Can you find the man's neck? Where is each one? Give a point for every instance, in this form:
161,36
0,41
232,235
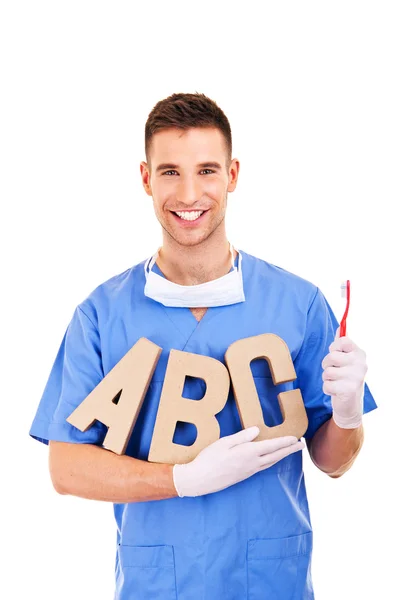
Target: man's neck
192,265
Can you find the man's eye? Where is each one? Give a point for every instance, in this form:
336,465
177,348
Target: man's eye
173,171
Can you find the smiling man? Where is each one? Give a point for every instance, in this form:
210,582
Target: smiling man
234,522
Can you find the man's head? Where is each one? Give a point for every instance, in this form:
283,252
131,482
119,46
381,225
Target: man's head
189,166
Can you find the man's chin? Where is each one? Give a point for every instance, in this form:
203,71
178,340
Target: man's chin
189,241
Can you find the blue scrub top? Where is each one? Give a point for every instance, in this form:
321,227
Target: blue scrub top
254,539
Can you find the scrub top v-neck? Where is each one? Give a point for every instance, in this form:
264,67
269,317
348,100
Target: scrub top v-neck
183,319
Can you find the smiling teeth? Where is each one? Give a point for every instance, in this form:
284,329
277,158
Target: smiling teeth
190,216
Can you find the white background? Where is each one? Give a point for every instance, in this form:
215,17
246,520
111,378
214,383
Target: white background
311,92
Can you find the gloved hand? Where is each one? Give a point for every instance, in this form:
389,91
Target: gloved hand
344,373
230,460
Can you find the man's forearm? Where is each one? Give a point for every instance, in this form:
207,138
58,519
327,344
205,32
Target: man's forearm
333,450
95,473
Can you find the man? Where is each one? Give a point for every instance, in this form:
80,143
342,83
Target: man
234,522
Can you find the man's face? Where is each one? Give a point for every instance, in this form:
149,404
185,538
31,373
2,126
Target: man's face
188,179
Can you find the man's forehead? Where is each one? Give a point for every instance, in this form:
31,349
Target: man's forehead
196,145
198,136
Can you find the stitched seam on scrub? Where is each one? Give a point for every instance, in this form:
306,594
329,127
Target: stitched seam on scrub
87,317
280,557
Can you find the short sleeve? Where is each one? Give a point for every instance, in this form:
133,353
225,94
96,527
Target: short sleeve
321,326
76,371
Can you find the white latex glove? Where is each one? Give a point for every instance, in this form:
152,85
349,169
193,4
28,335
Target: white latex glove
344,373
230,460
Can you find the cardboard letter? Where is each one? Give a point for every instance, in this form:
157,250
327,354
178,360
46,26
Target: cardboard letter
173,407
271,347
130,376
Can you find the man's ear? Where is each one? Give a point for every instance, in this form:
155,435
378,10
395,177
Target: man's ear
145,177
233,174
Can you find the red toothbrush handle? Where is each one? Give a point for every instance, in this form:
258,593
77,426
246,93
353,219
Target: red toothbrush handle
342,328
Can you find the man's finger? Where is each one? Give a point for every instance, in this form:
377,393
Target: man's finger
335,373
241,437
268,446
343,344
274,457
336,359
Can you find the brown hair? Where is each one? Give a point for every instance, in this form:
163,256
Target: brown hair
184,111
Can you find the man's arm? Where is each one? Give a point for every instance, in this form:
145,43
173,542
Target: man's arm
333,449
92,472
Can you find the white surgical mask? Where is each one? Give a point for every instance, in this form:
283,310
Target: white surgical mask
223,291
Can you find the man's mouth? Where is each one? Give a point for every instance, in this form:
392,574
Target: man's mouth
189,215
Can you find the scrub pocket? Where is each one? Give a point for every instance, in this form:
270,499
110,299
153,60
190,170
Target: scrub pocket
279,569
147,572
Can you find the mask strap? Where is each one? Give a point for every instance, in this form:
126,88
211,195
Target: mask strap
232,257
150,262
239,261
146,267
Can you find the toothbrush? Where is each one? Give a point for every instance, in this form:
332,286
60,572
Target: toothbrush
345,293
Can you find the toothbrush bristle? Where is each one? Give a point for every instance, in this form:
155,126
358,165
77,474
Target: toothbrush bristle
343,289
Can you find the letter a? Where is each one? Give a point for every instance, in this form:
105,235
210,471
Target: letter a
130,376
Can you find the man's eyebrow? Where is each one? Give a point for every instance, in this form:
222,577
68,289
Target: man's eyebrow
205,165
210,165
163,166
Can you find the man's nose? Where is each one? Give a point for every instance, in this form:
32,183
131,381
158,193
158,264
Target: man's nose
189,191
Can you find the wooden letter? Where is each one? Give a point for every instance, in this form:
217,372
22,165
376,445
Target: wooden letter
130,378
173,407
271,347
